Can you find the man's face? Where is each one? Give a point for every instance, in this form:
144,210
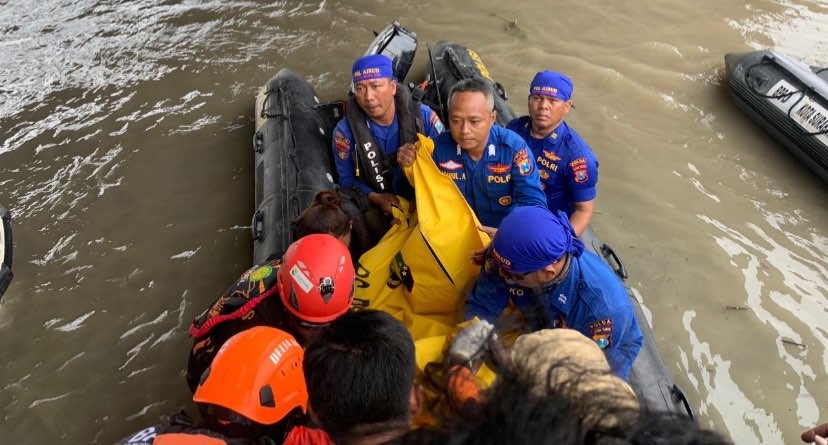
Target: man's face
546,112
376,98
470,120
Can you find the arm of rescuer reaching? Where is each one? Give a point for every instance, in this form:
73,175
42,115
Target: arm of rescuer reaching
528,191
488,298
581,217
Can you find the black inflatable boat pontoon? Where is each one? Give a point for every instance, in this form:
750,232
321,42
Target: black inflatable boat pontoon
787,98
5,250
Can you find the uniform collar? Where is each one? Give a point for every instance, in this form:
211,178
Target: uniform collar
489,153
552,138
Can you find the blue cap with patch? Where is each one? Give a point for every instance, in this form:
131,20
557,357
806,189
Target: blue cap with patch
552,84
374,66
522,250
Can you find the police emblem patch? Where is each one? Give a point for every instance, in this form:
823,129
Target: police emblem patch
499,169
579,170
521,160
450,165
601,332
504,200
543,174
551,155
435,122
343,145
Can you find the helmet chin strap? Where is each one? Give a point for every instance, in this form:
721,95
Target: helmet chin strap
551,285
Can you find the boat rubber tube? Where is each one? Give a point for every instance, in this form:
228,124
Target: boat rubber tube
450,63
5,250
293,158
787,98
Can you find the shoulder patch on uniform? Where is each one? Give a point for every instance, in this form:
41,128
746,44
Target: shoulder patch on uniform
601,332
343,145
436,122
450,165
579,170
521,160
499,169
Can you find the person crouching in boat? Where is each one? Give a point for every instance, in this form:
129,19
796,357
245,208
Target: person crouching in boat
537,262
491,165
309,287
330,213
378,120
253,392
568,169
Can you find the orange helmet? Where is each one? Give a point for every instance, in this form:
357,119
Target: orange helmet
316,280
258,374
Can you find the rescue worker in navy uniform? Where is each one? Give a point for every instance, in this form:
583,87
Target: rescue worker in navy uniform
491,165
568,169
301,293
253,393
537,262
379,119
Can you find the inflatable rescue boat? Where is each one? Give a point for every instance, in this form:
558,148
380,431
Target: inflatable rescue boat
787,98
294,161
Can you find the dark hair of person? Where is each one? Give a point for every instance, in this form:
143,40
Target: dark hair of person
474,85
360,371
329,213
573,412
325,215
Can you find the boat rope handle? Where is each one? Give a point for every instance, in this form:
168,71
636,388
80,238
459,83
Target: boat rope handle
802,94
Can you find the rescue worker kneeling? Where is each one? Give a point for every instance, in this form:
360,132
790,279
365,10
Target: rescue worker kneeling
309,287
253,392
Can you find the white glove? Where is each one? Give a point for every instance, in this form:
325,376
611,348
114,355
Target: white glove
472,342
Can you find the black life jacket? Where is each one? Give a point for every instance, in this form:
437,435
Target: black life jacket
371,164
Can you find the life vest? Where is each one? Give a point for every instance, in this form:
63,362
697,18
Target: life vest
371,163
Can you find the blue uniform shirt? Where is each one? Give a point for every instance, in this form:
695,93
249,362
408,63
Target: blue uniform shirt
503,179
591,300
568,169
388,138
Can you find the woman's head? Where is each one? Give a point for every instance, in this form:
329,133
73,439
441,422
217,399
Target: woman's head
325,215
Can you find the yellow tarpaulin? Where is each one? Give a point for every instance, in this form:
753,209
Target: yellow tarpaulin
421,271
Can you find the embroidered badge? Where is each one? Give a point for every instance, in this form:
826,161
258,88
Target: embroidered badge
579,170
504,200
261,273
521,159
499,169
550,155
543,174
450,165
435,122
491,150
601,332
343,145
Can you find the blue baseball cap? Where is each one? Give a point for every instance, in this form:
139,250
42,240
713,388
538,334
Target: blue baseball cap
531,238
374,66
552,84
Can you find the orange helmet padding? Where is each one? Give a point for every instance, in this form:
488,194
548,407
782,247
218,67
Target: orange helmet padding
258,374
316,280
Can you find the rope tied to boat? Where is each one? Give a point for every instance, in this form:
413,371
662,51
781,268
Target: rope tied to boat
802,94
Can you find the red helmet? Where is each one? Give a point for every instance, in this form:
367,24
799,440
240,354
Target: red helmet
257,374
316,280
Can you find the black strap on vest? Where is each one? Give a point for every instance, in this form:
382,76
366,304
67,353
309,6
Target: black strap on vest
371,163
